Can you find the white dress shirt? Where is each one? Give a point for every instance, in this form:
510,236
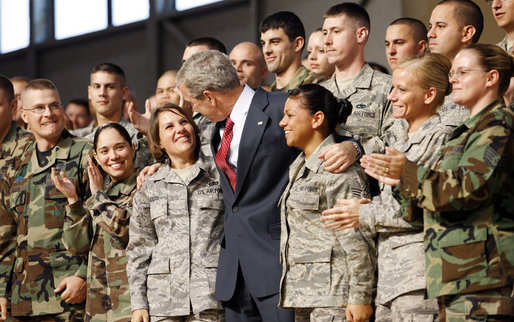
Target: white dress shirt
238,116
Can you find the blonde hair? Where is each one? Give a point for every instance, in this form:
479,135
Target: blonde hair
430,70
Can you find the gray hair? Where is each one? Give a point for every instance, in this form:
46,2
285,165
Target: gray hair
207,70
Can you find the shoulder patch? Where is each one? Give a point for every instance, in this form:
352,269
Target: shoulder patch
491,157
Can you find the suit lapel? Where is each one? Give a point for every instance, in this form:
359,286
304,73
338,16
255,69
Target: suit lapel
256,122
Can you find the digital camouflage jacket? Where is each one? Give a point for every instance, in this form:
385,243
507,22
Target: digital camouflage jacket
372,113
322,268
173,247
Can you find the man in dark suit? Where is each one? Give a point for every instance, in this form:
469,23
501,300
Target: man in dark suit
253,178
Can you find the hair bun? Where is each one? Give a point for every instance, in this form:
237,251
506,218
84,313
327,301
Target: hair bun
345,109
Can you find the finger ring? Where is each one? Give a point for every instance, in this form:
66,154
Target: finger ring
93,174
386,170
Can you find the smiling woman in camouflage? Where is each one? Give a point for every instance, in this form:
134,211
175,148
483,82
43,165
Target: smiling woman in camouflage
176,227
100,225
468,198
420,84
325,274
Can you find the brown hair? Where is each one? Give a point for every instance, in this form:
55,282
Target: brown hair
154,140
492,57
39,84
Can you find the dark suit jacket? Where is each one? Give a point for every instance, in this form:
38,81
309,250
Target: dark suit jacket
252,218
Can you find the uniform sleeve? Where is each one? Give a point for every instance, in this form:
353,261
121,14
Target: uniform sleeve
479,172
112,216
358,248
377,142
77,234
7,239
83,192
142,241
383,214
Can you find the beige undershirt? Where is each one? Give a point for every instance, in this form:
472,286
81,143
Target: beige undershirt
184,174
343,83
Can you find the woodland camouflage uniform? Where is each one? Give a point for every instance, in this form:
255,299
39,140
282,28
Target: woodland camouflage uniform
33,233
14,144
100,227
468,214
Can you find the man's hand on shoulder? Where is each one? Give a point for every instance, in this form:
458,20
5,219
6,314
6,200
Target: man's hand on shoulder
338,157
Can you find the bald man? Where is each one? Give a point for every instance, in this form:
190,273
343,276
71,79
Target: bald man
248,60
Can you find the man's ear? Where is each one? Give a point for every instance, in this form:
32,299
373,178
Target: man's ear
467,34
125,93
422,46
210,96
24,117
362,35
298,43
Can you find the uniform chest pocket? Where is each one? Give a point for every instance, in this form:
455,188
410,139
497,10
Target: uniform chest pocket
18,199
464,254
159,210
304,199
55,203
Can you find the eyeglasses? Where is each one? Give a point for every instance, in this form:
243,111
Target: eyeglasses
462,72
40,109
490,2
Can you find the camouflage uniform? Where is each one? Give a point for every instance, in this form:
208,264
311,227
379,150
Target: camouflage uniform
100,228
143,156
206,127
37,210
401,263
174,241
84,131
321,268
452,114
468,212
14,144
504,44
372,113
301,77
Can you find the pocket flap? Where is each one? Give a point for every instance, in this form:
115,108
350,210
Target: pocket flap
455,237
304,200
18,198
158,208
58,259
211,261
159,266
322,256
212,203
